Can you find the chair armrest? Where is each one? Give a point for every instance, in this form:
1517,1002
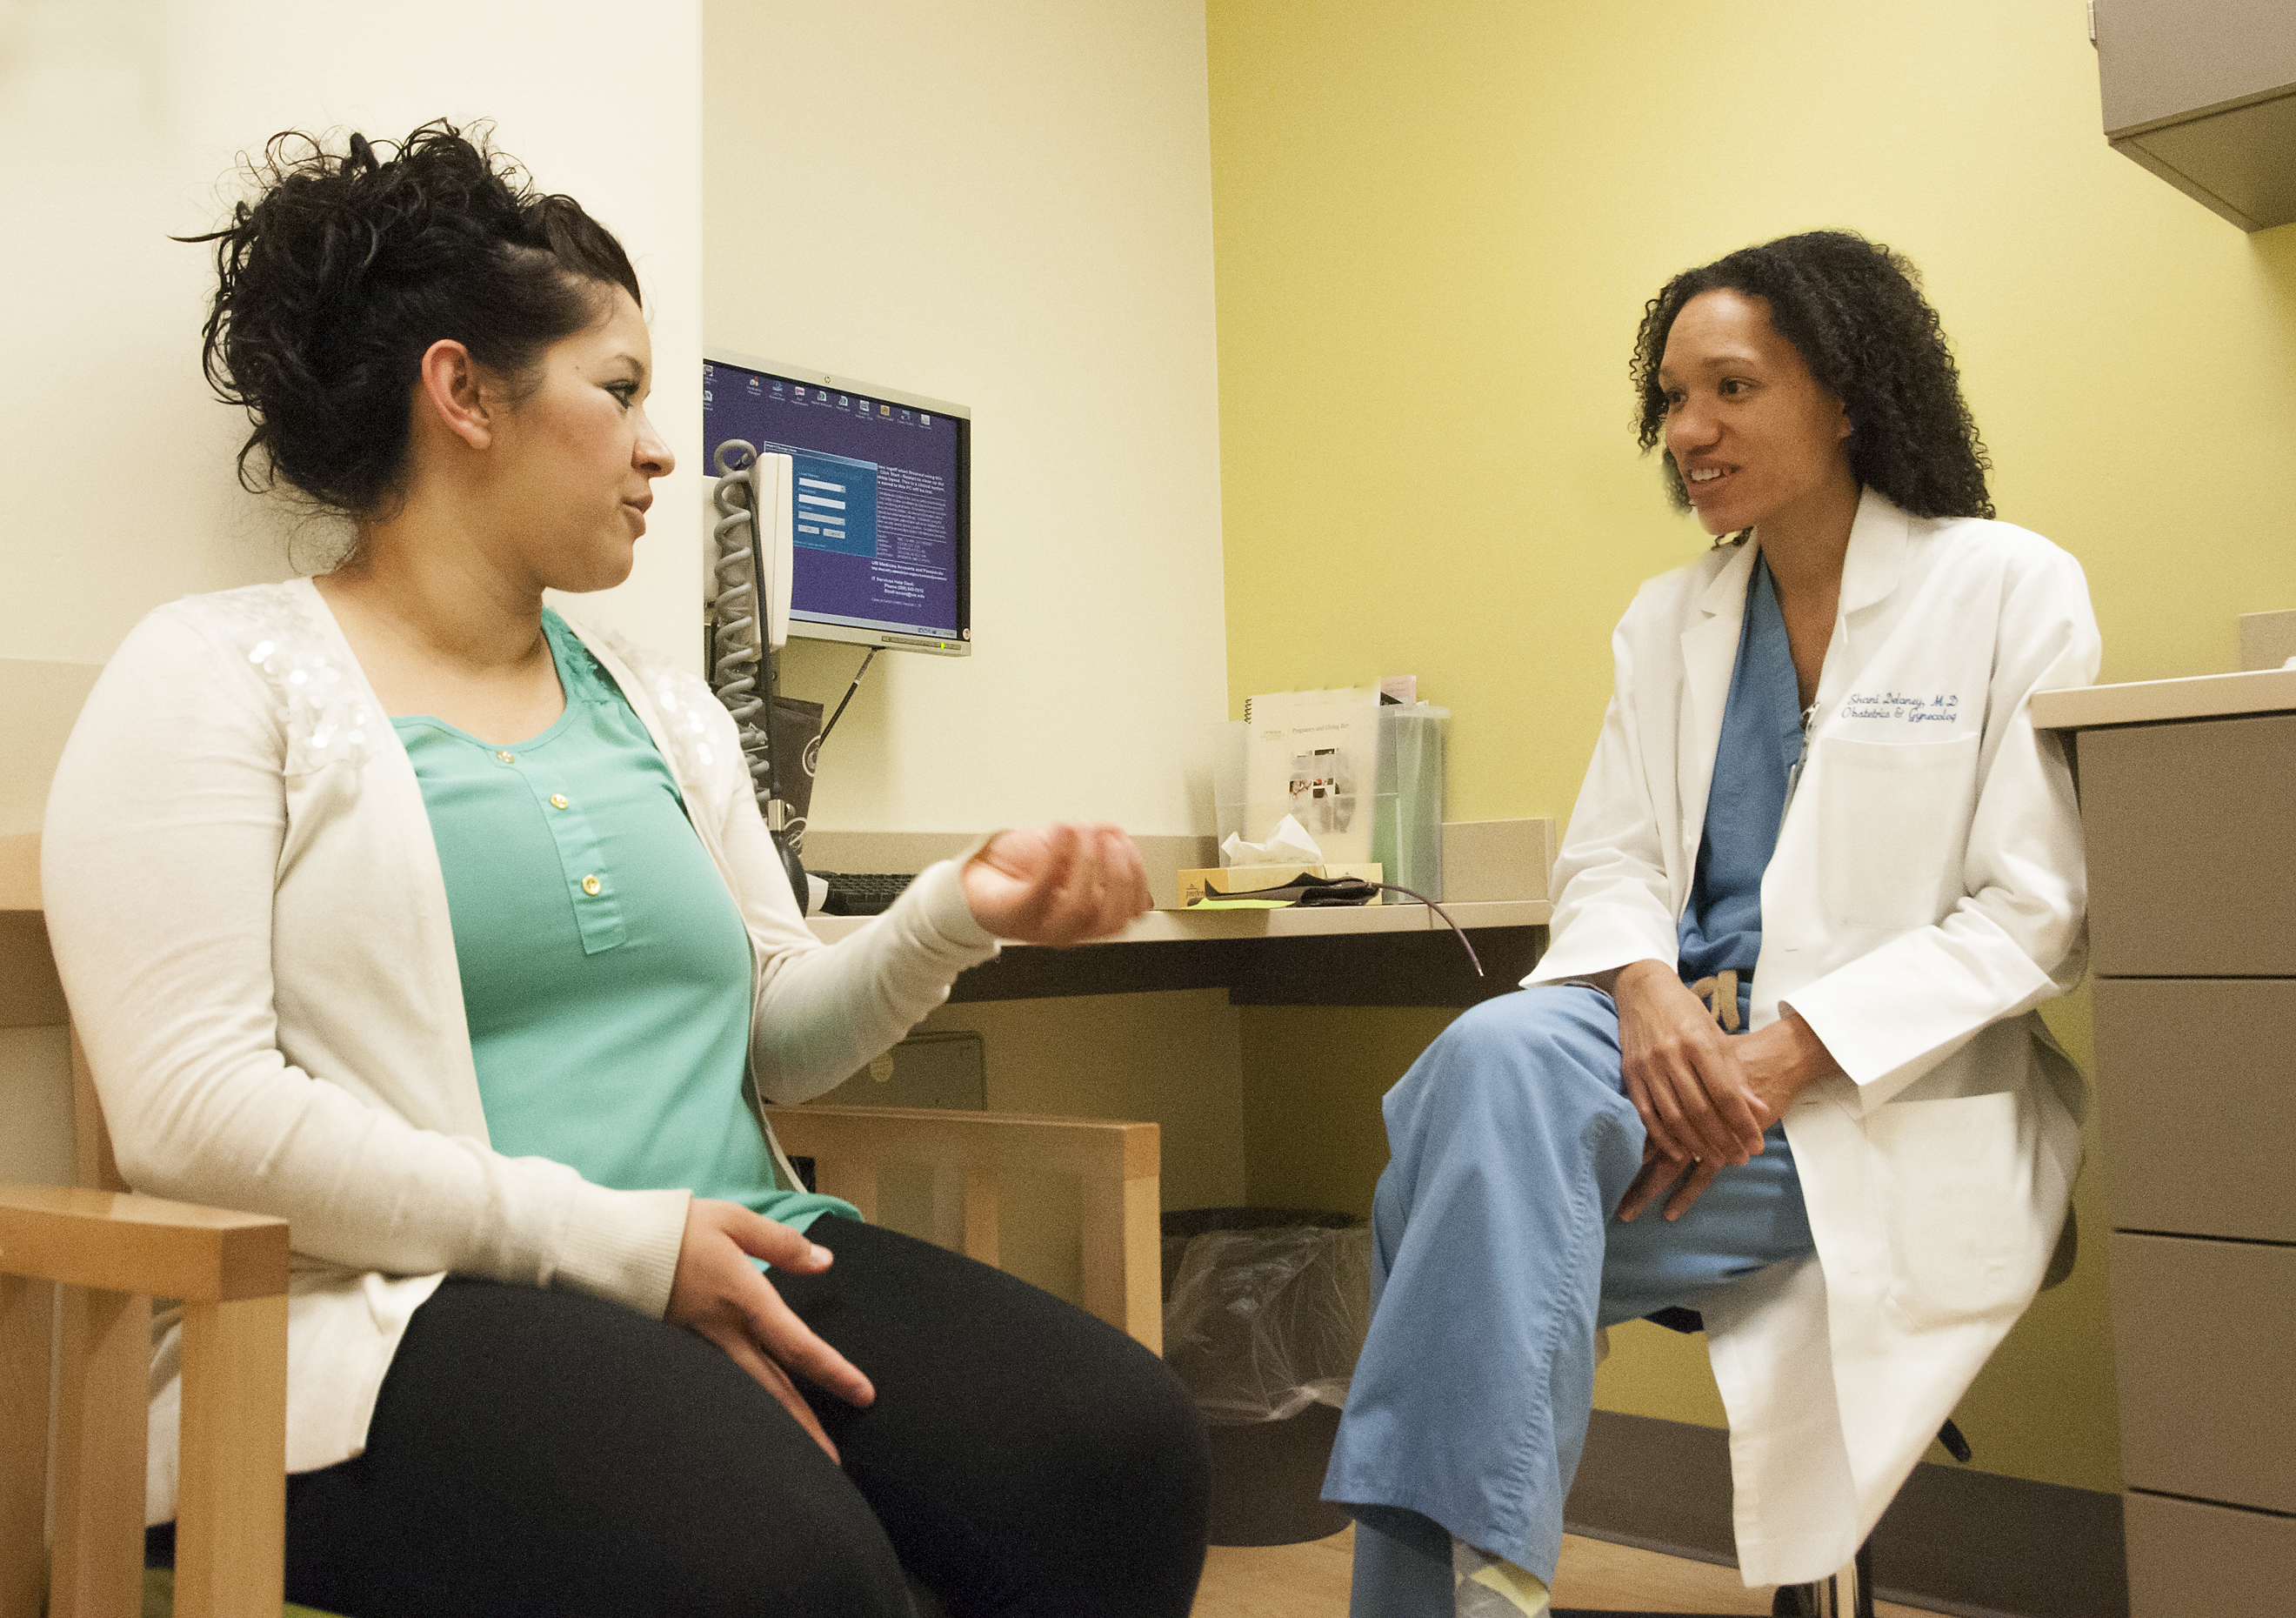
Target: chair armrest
115,1240
118,1250
933,1135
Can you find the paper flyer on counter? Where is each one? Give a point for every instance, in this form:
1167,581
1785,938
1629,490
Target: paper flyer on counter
1313,755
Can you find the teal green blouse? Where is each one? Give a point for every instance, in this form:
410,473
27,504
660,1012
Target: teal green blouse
606,973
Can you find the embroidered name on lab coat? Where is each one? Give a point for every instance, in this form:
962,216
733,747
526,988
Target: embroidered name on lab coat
1902,708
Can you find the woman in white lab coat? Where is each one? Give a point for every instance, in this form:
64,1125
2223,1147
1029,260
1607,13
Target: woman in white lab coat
1781,1063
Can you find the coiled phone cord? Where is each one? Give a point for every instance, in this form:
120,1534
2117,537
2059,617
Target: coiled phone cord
738,646
740,663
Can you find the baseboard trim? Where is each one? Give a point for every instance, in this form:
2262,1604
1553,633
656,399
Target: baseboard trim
1968,1543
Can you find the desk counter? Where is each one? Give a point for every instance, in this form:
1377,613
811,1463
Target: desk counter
2204,696
1374,955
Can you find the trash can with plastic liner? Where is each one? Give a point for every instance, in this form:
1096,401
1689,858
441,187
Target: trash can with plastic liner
1264,1312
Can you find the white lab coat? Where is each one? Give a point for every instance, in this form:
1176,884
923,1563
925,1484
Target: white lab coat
1927,893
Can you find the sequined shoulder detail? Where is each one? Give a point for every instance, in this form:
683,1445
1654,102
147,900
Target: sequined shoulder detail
682,703
317,696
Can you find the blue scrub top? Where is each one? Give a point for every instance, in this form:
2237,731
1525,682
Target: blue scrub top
1721,927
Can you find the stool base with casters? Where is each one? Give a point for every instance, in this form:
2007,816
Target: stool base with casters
1847,1594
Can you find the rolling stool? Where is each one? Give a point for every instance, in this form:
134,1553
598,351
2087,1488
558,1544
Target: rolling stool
1848,1594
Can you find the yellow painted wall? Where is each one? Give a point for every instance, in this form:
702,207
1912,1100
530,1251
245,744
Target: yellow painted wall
1434,230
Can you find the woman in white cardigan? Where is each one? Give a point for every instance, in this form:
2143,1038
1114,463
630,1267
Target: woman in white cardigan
393,905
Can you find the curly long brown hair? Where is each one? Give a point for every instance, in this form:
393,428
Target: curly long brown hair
346,266
1855,311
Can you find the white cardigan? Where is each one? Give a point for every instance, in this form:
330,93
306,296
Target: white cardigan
1926,894
248,915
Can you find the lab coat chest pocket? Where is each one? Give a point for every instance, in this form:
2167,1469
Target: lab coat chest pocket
1956,1189
1894,828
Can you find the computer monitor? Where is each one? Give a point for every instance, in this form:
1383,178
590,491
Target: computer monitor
883,501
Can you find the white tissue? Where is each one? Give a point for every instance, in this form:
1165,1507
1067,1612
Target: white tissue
1288,844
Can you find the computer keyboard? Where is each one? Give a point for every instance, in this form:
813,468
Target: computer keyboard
862,892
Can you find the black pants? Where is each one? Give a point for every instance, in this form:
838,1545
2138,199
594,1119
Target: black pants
543,1452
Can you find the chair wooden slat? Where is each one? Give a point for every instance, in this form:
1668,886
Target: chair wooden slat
97,1567
27,1320
231,1513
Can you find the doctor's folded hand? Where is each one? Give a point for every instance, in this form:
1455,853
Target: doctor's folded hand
1704,1098
1065,883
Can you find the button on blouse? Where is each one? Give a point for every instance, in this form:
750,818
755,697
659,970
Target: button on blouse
606,971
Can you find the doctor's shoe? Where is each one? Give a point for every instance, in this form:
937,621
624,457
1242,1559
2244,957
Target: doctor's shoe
1490,1588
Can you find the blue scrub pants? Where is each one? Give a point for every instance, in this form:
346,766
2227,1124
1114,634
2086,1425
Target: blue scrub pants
1495,1258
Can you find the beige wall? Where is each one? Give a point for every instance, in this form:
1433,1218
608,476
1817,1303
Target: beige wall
119,120
1022,223
35,1146
1008,207
38,702
119,124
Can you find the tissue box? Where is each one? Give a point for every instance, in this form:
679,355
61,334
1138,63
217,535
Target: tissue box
1234,882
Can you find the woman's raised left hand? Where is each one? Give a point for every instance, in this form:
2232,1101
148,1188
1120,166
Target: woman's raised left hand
1056,884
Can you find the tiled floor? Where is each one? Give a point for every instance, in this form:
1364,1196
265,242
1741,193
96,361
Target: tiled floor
1311,1581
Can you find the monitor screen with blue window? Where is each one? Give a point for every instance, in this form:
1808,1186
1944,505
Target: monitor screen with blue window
882,497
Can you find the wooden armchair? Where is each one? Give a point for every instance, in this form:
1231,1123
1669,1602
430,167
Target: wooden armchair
110,1251
1116,1164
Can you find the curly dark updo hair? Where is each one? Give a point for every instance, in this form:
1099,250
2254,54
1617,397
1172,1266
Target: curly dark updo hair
1855,311
345,268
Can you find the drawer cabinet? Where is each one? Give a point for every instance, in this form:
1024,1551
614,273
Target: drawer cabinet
2190,827
2197,1080
2192,848
2186,1558
2202,1333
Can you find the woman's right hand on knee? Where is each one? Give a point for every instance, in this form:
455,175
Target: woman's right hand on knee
1681,1074
719,1294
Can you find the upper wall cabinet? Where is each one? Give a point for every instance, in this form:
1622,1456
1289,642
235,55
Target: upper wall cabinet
2203,93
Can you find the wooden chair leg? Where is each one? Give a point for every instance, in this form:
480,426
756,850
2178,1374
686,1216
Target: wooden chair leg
231,1542
97,1566
1123,1277
26,1319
